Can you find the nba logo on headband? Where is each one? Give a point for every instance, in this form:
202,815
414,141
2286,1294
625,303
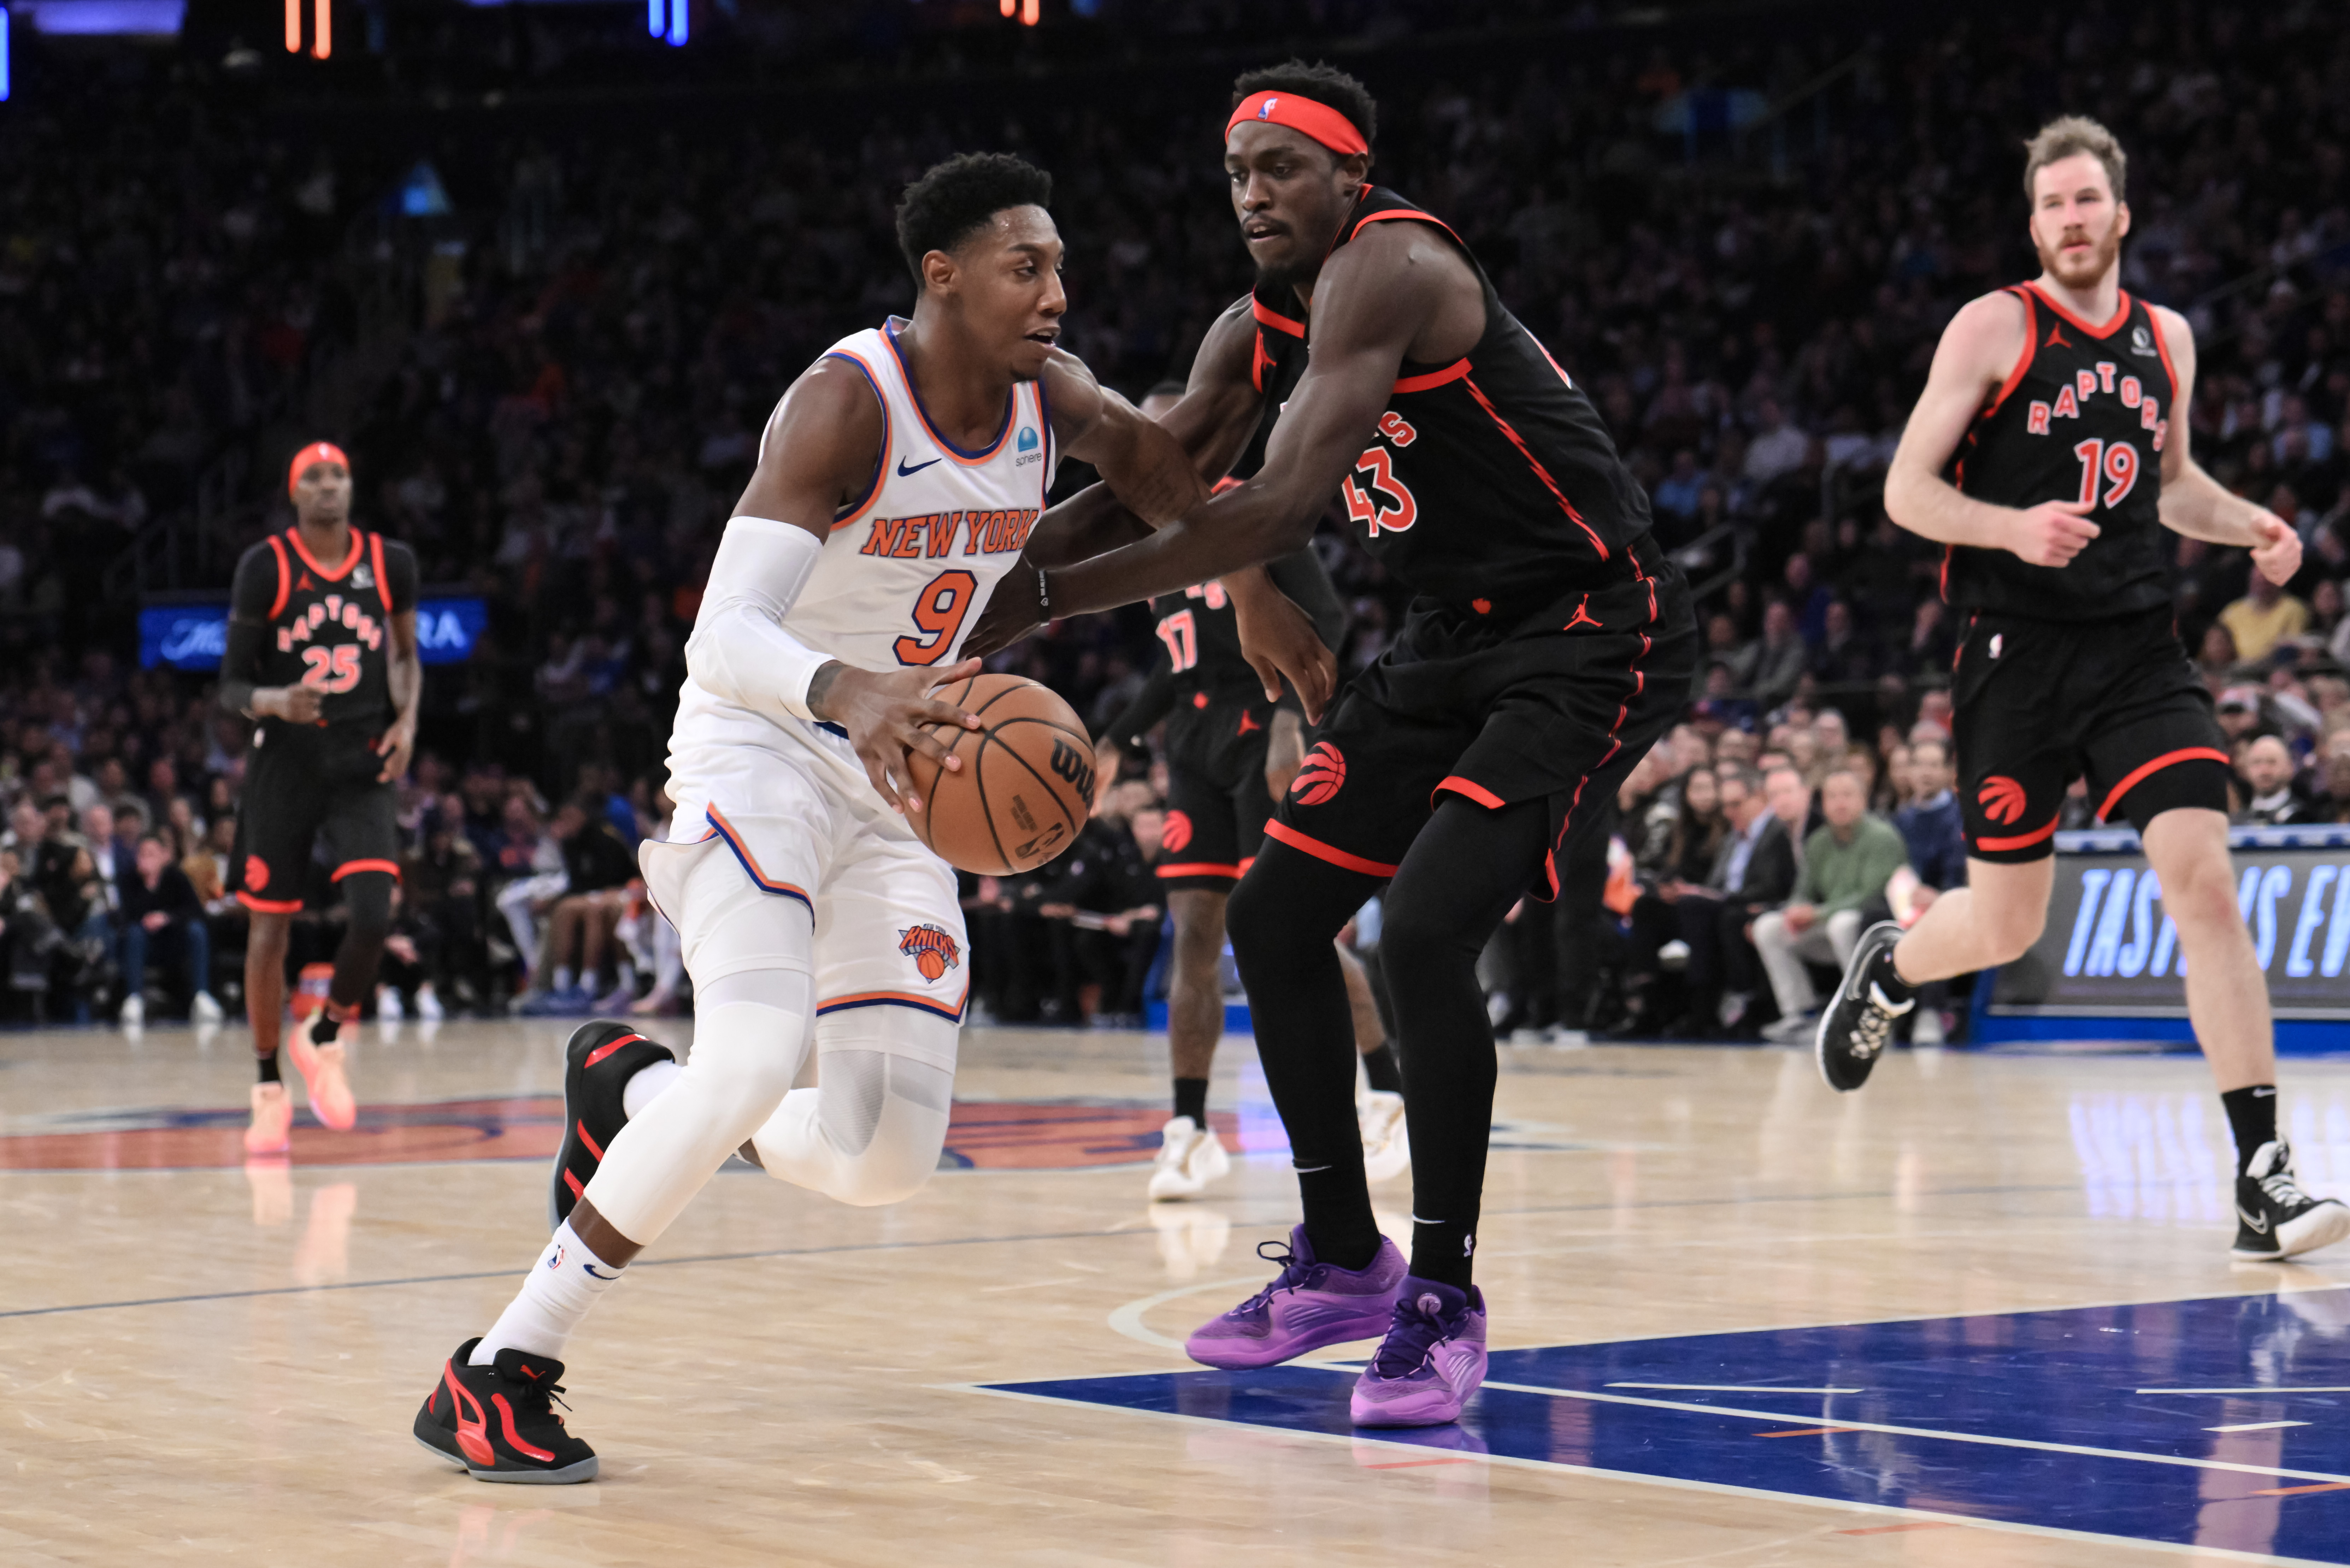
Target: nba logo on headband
1264,109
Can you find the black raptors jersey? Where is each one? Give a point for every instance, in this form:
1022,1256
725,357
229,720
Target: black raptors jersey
1198,627
326,625
2083,416
1492,480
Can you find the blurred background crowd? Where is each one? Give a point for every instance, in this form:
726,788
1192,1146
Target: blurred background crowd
544,278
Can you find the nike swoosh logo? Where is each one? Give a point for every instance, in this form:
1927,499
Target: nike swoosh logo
591,1269
2259,1225
905,472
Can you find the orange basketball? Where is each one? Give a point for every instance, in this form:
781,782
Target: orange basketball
1026,786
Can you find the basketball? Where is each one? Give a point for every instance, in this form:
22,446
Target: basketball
1026,786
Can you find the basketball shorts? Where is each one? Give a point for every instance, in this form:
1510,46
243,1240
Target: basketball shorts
1558,707
2038,703
1217,803
299,789
803,823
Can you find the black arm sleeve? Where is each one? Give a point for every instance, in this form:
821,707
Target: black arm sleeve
399,566
250,599
1301,578
1152,703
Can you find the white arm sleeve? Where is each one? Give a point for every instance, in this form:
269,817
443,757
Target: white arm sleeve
739,650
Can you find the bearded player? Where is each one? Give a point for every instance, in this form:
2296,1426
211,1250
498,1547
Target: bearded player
1551,644
2049,451
898,479
322,654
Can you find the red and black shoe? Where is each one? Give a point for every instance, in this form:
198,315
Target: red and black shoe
597,1066
498,1421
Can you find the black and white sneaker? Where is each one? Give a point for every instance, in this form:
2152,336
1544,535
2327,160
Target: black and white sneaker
2274,1218
1861,1017
597,1064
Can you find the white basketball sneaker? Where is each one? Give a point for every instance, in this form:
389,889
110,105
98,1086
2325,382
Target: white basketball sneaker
1190,1156
1387,1147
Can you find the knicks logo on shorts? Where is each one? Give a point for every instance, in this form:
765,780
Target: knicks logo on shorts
1320,778
1177,833
933,952
257,873
2001,799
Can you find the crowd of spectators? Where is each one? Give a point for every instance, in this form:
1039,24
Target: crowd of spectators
568,399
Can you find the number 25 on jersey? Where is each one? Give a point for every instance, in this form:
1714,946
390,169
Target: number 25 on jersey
331,670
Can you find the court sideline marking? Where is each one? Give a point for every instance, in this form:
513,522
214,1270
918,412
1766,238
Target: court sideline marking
1721,1488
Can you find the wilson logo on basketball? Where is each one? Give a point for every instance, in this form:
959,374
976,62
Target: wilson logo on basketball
257,873
2003,799
1177,833
1320,778
1072,765
933,952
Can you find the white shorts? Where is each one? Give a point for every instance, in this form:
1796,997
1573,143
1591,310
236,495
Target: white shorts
806,825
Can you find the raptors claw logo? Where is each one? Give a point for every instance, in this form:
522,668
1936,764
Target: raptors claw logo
933,952
1320,778
1177,833
2001,798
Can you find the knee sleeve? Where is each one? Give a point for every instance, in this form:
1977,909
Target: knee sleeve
750,1032
367,905
872,1130
744,1056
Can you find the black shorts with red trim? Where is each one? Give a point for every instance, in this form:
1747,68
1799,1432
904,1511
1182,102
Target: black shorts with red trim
298,788
2040,704
1217,803
1556,707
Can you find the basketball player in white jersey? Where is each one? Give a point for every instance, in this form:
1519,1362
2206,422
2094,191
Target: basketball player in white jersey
896,480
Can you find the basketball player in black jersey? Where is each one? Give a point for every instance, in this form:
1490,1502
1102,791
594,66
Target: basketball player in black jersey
1231,754
1551,644
321,653
2050,453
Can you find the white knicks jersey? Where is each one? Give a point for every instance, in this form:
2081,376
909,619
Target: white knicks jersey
906,568
902,576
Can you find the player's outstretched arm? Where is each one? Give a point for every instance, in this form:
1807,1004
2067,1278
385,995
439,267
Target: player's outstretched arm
2195,503
821,451
1978,349
1371,300
1140,461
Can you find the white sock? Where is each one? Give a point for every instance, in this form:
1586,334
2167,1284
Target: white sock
564,981
554,1299
624,975
646,1083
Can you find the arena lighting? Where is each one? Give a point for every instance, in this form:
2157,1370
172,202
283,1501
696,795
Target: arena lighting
677,21
322,34
4,54
656,20
1030,10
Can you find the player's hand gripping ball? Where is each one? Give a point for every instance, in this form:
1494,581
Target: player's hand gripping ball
1026,785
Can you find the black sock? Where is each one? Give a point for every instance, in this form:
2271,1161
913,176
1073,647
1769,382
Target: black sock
323,1028
1379,1066
1888,978
1441,1249
1281,920
1339,1221
1465,869
269,1068
1191,1100
2251,1116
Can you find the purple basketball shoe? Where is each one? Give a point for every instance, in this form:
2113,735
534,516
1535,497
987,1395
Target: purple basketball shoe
1432,1359
1312,1305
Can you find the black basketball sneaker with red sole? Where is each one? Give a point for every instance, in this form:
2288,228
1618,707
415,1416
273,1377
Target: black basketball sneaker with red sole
602,1057
498,1421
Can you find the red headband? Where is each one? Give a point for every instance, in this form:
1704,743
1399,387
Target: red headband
1318,121
316,452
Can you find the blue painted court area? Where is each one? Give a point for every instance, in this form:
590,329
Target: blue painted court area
2222,1423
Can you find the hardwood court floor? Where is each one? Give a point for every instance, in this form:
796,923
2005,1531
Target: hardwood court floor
202,1363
